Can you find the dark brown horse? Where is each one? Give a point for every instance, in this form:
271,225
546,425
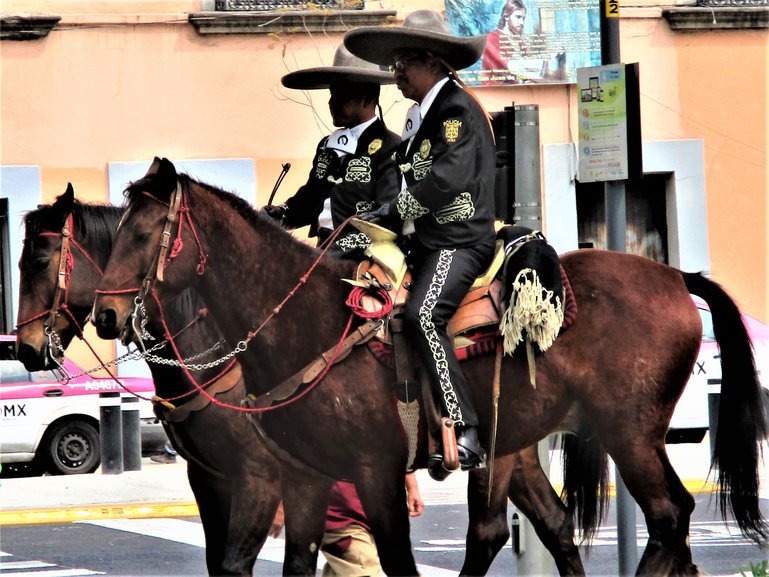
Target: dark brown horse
235,480
624,362
211,438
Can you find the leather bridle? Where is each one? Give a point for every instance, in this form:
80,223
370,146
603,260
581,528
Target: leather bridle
59,302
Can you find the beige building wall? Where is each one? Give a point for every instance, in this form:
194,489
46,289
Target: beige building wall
127,80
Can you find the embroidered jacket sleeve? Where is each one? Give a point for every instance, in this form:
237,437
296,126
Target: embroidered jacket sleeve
305,206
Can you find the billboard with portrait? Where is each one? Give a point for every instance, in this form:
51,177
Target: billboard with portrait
528,41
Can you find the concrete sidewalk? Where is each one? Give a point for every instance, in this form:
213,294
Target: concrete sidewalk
162,490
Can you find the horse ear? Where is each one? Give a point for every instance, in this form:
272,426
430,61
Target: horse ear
153,167
65,201
166,178
62,206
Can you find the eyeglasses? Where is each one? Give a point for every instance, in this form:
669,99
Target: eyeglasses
401,63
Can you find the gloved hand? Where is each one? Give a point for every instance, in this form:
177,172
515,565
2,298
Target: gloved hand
277,212
380,216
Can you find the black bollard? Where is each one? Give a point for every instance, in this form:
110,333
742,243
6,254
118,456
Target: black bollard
111,433
132,437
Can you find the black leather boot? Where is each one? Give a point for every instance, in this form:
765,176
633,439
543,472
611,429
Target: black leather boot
471,453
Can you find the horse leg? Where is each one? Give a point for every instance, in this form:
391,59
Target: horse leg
533,494
305,502
213,498
253,504
383,496
487,530
666,504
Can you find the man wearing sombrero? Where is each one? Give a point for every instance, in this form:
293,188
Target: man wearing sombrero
353,170
445,200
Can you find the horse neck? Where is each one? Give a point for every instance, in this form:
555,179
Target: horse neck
191,335
252,266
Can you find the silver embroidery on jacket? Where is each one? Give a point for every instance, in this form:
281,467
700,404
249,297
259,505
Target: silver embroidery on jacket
352,241
364,206
408,206
461,208
359,170
324,160
421,165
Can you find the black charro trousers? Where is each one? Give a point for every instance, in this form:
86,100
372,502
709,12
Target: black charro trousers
441,278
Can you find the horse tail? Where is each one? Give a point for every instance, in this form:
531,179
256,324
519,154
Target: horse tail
586,487
741,424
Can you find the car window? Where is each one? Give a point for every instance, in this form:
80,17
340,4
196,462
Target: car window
13,372
707,325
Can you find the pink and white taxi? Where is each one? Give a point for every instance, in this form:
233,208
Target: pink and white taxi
50,425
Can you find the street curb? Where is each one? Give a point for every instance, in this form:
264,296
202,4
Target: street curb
96,512
184,509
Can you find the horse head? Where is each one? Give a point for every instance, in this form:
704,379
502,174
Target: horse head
148,238
54,302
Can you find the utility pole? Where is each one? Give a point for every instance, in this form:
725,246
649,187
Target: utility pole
616,231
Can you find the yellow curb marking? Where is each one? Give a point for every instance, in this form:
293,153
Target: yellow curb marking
153,510
94,512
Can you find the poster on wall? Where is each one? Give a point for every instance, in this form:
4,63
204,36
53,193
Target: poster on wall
609,143
528,41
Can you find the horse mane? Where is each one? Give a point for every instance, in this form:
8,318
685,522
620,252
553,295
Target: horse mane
242,207
94,224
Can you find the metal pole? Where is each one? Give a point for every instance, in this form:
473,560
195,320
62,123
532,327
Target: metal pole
616,230
132,437
111,433
627,539
527,178
532,557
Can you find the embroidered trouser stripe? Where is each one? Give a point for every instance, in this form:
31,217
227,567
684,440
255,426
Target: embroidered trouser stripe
440,359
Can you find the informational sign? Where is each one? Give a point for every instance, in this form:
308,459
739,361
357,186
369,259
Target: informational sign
528,41
609,122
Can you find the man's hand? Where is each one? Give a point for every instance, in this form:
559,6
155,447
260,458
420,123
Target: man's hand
277,212
380,216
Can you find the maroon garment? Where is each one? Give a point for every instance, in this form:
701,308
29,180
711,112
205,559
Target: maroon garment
344,508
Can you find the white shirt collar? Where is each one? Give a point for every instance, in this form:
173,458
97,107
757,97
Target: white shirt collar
361,128
429,98
345,140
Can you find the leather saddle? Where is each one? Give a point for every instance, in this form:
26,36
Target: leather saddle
386,270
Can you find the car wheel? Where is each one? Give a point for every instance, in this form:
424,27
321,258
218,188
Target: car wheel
72,447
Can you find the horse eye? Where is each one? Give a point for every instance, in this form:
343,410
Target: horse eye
40,264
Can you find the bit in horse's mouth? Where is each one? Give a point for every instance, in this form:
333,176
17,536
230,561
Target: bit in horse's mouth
126,335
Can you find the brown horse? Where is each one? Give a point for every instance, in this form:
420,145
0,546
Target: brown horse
624,362
208,434
235,480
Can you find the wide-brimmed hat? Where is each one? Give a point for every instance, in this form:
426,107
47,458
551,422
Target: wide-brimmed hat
422,30
346,68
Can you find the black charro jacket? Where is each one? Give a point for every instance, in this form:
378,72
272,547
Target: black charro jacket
356,183
449,172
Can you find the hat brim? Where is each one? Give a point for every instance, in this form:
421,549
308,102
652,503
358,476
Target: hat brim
377,43
325,76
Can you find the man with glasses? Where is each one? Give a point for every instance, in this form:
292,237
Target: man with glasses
444,205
